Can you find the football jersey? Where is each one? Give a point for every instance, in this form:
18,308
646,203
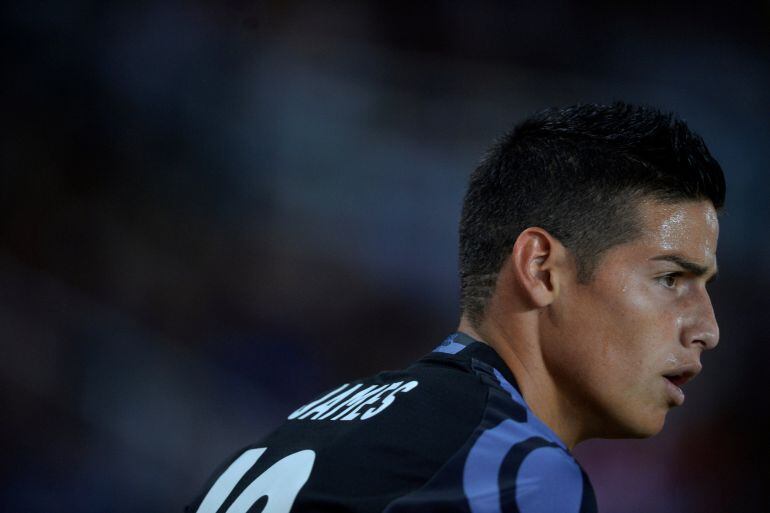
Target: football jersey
450,433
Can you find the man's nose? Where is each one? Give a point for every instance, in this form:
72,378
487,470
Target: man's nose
703,329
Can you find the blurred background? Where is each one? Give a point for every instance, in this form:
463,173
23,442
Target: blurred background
212,211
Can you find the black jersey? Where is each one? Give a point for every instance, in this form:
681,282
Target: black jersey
451,432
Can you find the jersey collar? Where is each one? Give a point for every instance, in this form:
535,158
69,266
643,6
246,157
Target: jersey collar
465,346
470,347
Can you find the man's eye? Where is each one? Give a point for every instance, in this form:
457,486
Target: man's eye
669,280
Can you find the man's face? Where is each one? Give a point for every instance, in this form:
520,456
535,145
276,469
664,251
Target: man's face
645,315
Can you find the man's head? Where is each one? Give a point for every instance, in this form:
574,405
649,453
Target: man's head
602,220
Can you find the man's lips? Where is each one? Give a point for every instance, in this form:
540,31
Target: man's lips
678,377
682,374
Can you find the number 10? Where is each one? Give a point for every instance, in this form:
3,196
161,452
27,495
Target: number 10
280,483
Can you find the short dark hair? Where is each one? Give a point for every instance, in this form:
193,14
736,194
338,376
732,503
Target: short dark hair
577,172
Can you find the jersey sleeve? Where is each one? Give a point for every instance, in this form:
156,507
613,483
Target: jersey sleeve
547,479
525,480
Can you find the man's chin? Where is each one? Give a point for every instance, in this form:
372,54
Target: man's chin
636,428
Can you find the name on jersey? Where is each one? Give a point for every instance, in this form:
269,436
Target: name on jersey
350,402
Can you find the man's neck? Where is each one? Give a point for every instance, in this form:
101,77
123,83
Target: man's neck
522,356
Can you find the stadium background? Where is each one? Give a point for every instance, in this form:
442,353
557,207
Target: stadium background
211,211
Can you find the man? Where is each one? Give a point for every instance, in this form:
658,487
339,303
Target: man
587,238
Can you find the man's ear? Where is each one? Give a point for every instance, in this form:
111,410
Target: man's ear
538,263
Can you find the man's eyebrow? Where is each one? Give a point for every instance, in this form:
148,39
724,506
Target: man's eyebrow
691,267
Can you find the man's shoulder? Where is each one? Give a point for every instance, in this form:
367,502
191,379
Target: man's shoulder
417,439
513,459
374,439
435,384
417,416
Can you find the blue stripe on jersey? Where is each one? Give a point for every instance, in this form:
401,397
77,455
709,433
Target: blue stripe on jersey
564,477
513,463
543,469
538,427
544,479
453,344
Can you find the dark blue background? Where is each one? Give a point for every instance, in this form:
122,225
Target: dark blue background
211,211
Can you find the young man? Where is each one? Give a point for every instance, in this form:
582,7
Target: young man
587,238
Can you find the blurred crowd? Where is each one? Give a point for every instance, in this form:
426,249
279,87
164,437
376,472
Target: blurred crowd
212,211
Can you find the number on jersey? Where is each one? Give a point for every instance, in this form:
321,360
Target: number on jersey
280,483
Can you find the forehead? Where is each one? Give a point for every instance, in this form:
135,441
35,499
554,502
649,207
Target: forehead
688,228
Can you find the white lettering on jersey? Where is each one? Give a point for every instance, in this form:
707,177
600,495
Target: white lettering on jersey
309,405
388,400
353,401
280,483
342,404
356,412
319,409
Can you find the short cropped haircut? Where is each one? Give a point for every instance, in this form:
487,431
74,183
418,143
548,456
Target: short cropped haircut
579,173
